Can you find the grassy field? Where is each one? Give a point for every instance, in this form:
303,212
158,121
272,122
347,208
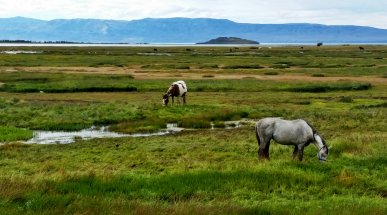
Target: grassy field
341,90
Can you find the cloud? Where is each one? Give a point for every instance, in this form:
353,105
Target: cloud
352,12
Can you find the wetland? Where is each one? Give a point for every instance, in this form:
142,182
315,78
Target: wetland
340,90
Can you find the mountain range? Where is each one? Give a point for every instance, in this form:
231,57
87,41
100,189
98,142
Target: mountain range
181,30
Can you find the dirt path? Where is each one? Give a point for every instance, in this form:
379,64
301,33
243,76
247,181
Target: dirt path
137,73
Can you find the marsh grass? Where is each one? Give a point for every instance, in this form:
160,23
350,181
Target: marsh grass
196,123
318,88
9,133
219,124
202,171
271,73
213,170
208,76
60,83
139,126
381,105
345,99
63,83
209,66
318,75
252,66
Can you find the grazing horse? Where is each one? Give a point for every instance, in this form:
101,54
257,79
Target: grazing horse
288,132
177,89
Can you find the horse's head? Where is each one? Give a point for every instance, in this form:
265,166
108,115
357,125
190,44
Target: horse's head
323,153
323,150
165,99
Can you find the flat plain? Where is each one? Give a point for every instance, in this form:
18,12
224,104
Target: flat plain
207,168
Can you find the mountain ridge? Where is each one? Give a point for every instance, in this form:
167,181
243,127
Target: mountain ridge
181,30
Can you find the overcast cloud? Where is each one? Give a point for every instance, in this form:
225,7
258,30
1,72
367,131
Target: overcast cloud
330,12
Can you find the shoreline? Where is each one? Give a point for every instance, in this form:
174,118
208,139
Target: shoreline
177,44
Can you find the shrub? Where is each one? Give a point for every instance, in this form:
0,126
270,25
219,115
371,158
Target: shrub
208,76
182,67
243,67
345,99
209,66
318,75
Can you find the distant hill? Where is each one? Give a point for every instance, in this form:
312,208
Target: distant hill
181,30
229,40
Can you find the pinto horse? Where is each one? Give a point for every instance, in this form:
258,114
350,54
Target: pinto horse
177,89
288,132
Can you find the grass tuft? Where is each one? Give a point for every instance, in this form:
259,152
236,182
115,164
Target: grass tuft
8,134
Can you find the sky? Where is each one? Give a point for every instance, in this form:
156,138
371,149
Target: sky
330,12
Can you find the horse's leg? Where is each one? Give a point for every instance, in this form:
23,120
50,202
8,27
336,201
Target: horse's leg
266,150
259,143
300,152
264,146
263,143
261,148
295,152
173,100
184,99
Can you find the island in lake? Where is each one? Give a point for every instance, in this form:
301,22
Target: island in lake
229,40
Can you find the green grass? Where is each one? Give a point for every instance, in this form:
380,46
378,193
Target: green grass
271,73
318,88
27,82
318,75
8,134
215,170
332,60
201,170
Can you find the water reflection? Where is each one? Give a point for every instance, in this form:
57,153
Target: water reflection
64,137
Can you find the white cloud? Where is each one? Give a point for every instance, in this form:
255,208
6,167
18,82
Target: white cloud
352,12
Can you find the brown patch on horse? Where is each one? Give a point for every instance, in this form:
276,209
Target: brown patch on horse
174,90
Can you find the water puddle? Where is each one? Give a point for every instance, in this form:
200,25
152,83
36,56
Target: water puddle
64,137
21,52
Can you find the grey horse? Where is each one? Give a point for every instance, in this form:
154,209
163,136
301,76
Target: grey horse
288,132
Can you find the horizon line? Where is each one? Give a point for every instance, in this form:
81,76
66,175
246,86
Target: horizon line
127,20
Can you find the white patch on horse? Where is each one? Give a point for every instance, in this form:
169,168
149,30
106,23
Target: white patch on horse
177,89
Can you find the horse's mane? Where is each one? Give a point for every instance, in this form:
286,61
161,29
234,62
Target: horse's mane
315,132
